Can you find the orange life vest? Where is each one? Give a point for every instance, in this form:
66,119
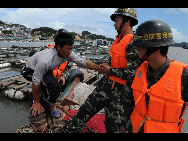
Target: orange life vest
164,114
51,46
59,70
118,55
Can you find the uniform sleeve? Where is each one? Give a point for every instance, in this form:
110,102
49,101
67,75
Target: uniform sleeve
39,72
132,64
128,103
73,57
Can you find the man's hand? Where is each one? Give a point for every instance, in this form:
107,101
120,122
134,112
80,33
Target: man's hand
36,108
36,105
62,79
104,64
92,66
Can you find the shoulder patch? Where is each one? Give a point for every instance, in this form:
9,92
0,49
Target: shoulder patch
139,74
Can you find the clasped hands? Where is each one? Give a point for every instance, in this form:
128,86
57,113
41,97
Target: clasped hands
104,68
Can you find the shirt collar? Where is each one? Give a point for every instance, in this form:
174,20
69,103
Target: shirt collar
162,70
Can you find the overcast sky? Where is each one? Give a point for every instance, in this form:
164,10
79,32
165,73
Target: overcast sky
94,20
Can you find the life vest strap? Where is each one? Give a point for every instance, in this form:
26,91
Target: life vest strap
113,83
142,122
146,117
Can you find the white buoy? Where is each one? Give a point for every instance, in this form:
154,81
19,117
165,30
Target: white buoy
4,65
19,95
13,94
22,61
10,93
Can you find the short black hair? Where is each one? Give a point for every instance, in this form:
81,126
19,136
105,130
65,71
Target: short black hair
131,22
62,39
164,50
126,19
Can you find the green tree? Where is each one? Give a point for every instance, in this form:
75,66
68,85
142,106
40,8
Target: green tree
2,23
85,33
73,34
44,31
7,31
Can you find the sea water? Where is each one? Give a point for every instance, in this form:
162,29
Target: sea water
25,44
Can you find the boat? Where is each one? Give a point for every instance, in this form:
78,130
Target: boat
105,47
4,65
185,47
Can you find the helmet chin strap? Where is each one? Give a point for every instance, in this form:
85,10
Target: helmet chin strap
121,26
119,31
148,53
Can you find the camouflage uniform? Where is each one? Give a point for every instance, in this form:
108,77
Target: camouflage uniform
152,79
105,97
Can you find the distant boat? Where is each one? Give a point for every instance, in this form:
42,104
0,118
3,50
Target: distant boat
185,47
106,47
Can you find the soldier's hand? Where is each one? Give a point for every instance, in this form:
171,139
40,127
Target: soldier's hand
104,69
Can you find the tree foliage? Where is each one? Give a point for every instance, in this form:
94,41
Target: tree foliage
44,31
7,31
94,36
2,23
73,34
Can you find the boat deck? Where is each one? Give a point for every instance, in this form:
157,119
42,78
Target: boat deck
19,83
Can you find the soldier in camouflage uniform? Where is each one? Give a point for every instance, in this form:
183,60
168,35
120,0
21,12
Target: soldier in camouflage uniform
146,51
108,94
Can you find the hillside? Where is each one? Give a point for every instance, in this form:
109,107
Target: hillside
88,35
180,44
14,29
46,31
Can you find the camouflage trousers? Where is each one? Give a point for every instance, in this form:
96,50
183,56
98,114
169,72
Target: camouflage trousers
102,97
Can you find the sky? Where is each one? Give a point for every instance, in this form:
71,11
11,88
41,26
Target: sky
94,20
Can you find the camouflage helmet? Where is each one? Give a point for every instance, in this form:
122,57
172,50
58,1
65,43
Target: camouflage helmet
153,33
128,12
62,30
